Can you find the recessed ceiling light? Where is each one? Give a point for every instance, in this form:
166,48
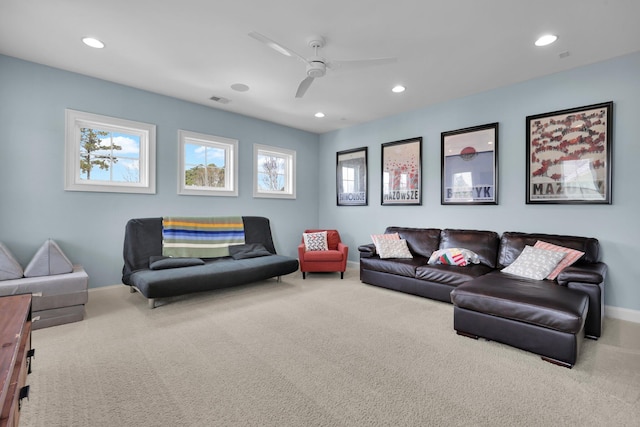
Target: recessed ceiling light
319,114
545,40
93,42
398,89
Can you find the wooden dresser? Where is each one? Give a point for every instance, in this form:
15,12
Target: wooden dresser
15,355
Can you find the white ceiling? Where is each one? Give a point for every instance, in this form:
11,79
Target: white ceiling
195,49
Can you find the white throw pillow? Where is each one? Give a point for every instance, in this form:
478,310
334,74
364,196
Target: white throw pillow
534,263
377,237
391,248
315,241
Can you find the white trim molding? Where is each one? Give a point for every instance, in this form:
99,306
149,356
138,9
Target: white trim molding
622,313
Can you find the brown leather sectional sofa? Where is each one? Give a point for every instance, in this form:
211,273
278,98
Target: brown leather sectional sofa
549,318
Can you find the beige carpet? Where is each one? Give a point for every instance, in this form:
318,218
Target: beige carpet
318,352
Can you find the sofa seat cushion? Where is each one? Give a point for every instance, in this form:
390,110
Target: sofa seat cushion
537,302
452,275
320,256
216,273
398,266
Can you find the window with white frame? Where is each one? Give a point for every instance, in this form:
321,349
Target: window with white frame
208,165
108,154
274,172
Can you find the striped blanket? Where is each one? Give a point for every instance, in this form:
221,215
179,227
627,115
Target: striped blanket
201,237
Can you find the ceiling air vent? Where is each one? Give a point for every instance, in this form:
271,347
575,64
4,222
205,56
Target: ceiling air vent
220,99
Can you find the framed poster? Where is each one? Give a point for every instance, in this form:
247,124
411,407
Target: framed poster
351,177
401,172
470,166
569,155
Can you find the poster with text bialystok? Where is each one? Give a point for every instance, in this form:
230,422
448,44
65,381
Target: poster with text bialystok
569,155
401,172
470,166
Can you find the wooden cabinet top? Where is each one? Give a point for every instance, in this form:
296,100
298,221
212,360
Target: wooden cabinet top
14,313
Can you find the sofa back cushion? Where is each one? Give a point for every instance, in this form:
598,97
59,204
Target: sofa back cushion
512,244
483,243
421,241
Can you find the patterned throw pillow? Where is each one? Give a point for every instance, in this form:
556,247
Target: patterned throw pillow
571,256
377,237
534,263
454,256
392,248
315,241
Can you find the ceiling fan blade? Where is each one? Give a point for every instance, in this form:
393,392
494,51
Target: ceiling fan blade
359,63
276,46
304,85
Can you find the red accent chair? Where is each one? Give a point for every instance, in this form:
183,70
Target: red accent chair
334,259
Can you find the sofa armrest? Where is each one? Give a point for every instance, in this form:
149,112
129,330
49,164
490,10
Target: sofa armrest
367,251
592,273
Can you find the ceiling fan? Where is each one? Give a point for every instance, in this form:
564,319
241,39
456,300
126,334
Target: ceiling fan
317,65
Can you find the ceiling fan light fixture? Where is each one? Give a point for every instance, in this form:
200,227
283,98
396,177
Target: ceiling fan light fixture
93,42
319,114
398,89
546,40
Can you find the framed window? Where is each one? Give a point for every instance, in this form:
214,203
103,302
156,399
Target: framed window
108,154
208,165
274,172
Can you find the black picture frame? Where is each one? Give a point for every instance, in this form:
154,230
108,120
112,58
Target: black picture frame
352,177
401,173
569,155
469,164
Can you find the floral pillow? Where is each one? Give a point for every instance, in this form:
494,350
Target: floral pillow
571,256
534,263
315,241
454,256
392,248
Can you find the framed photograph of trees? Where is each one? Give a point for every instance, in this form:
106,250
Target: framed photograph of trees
470,166
402,173
569,155
351,177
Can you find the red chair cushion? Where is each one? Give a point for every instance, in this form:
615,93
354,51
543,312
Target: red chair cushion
313,256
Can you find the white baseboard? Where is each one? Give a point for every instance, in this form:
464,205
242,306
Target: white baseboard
622,313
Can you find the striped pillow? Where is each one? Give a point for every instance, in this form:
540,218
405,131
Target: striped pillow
571,256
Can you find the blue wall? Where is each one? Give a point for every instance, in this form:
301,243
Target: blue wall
90,226
616,225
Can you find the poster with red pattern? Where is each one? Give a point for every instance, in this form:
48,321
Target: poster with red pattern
401,172
569,155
